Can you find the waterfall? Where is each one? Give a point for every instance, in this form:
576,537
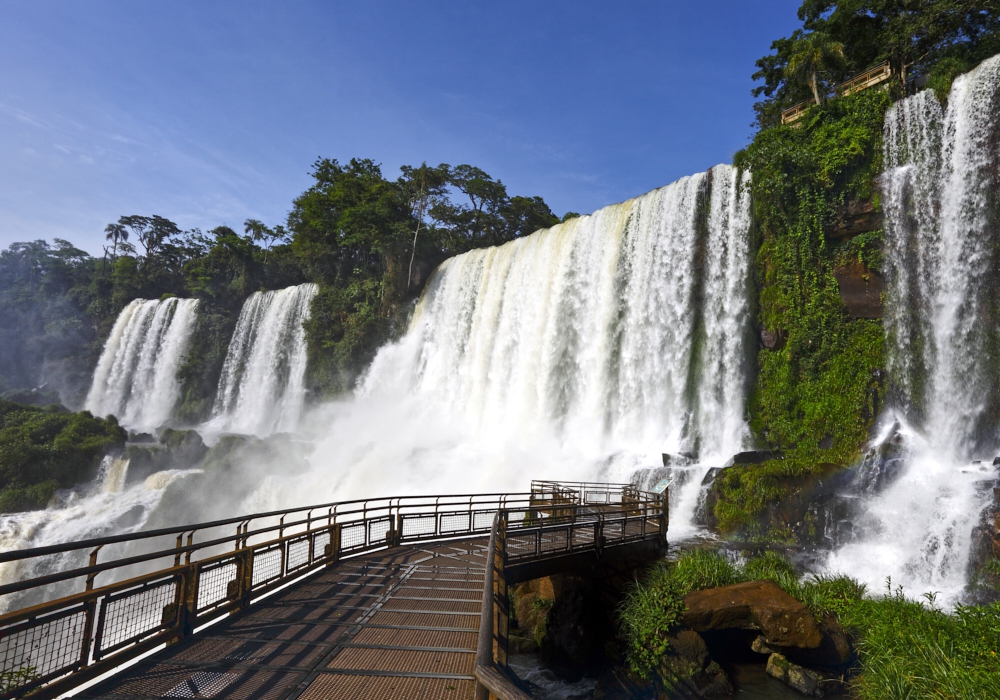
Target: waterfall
942,236
262,387
623,332
112,474
136,376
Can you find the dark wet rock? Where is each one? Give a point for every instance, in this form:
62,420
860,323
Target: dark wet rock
826,521
576,630
186,447
814,507
773,340
141,438
984,562
759,645
802,679
834,651
756,456
755,605
692,670
883,463
681,459
853,218
861,290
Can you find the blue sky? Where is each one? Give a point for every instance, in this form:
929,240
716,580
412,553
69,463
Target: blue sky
210,113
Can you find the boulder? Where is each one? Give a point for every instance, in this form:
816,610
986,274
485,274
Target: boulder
985,552
854,217
759,645
861,290
833,653
755,605
802,679
756,456
690,669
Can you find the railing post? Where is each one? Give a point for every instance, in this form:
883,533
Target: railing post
398,540
664,516
91,613
332,550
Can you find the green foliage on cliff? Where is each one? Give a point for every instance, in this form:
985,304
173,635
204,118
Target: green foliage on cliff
44,449
821,385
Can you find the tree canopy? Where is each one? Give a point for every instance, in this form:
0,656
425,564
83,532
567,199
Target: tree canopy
921,39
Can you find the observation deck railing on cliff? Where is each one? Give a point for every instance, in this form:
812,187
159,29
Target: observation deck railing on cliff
862,81
63,628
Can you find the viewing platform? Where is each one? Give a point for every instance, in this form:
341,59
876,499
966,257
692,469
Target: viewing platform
384,598
862,81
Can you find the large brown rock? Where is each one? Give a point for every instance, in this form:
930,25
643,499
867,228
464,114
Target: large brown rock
861,290
854,217
755,605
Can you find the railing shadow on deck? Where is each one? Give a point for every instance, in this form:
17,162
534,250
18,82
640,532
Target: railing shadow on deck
160,594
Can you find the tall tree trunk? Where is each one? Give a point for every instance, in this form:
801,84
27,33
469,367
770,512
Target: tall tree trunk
812,84
413,253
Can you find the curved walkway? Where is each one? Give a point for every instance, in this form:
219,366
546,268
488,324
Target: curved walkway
402,623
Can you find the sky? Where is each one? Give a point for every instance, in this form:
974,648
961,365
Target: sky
213,112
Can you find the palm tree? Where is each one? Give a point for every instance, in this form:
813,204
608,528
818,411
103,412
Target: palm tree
811,55
116,233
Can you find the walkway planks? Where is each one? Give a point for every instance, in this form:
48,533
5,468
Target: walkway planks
401,623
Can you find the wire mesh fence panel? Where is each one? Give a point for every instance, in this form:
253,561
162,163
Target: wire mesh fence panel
35,651
521,545
132,615
266,565
614,530
634,528
415,525
352,536
455,522
377,530
298,553
322,540
555,541
213,583
482,520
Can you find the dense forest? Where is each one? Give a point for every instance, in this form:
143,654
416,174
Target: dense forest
368,241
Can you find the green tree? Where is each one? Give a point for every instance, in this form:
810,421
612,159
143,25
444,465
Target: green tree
423,187
811,55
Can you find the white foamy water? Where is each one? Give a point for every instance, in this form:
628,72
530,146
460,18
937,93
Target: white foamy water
136,376
110,507
939,188
582,351
262,388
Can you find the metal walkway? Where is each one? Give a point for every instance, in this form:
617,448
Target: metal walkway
402,597
402,624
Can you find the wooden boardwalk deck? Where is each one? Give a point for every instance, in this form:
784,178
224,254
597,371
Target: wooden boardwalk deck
400,623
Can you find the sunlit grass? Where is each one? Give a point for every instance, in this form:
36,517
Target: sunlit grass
907,649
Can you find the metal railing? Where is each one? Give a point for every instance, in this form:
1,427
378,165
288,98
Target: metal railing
862,81
163,584
565,518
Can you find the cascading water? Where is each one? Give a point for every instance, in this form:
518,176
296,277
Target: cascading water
942,234
262,387
136,376
620,335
